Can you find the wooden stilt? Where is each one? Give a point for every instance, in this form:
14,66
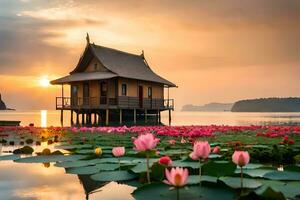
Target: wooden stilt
159,117
99,119
72,122
170,119
83,120
134,116
107,117
62,117
121,117
146,117
77,118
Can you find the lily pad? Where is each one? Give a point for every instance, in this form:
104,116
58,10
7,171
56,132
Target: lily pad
83,170
235,182
10,157
50,158
254,172
283,176
113,176
193,165
75,146
195,179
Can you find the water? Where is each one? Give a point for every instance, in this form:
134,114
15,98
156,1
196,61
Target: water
42,182
46,118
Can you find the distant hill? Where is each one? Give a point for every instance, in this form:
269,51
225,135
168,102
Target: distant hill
267,105
208,107
2,104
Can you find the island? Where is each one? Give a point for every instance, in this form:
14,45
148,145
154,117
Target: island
208,107
291,104
2,104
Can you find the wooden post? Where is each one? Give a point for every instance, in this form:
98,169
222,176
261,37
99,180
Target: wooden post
62,109
82,119
159,117
121,116
170,119
134,116
146,117
72,122
99,119
107,117
77,118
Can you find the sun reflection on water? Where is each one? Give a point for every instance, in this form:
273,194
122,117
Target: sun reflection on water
44,118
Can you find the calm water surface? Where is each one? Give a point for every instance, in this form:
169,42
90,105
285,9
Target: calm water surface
42,182
45,118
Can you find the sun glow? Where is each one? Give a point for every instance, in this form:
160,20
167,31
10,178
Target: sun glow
44,82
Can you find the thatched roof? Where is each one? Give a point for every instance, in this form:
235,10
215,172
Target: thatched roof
118,64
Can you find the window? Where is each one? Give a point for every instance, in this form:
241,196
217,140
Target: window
150,92
124,89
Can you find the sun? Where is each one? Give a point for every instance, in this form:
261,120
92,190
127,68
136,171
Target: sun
44,81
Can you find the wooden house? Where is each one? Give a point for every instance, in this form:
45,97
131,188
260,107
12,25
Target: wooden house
107,83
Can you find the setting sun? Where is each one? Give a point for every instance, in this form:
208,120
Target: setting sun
44,82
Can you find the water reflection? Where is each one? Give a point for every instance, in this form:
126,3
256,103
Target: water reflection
52,118
44,118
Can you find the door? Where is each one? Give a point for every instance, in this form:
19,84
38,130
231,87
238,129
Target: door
141,96
86,94
103,92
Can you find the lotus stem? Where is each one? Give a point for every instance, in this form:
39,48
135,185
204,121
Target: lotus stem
148,172
119,164
177,193
200,173
241,179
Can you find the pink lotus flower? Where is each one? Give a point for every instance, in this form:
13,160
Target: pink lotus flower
118,151
165,160
241,158
172,142
200,150
216,149
145,142
177,177
182,141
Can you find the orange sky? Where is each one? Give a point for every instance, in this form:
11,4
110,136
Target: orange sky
219,51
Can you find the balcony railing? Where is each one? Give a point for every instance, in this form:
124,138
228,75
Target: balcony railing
122,102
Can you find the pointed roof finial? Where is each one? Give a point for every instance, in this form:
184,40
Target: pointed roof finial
143,54
87,38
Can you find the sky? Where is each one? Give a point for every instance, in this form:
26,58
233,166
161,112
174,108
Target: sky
215,51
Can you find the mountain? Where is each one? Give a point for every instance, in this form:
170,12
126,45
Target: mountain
2,104
208,107
268,105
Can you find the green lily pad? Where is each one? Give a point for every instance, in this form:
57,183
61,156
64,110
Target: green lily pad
140,167
235,182
218,168
50,158
76,163
212,156
75,146
195,179
283,176
290,189
87,170
252,166
10,157
163,191
193,165
113,176
254,172
107,166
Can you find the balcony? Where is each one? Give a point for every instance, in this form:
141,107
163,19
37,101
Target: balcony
122,102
